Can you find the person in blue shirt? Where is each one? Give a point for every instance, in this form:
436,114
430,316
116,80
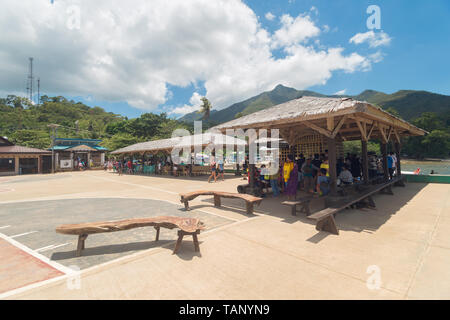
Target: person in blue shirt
390,163
323,182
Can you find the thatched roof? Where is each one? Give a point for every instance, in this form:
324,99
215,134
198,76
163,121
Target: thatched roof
313,108
186,141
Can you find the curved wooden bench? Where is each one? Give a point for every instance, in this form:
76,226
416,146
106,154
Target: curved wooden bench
249,199
187,226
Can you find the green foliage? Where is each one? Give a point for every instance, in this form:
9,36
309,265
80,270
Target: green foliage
120,140
26,124
354,147
31,138
205,108
436,144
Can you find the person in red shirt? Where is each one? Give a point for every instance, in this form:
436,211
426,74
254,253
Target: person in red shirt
130,166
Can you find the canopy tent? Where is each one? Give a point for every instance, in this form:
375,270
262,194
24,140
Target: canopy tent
198,140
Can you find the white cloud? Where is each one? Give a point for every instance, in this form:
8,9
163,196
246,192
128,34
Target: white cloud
314,10
294,31
134,53
270,16
326,28
374,39
341,92
194,105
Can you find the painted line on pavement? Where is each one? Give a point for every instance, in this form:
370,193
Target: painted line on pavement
51,247
4,227
22,234
37,255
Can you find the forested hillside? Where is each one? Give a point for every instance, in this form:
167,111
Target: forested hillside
26,124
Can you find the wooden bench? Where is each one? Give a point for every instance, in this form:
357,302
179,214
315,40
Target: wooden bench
250,200
303,202
187,226
325,218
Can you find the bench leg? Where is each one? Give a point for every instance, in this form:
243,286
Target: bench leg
327,224
217,201
196,244
294,210
371,202
178,244
186,205
388,190
157,233
249,206
306,208
80,246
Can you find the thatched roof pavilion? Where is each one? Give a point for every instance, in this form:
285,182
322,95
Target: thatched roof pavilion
166,145
331,117
335,119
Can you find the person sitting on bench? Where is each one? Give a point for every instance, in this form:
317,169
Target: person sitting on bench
346,176
323,183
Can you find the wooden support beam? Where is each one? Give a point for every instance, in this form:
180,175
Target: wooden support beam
330,123
397,137
371,129
365,162
389,133
323,131
383,134
339,126
332,160
383,147
362,130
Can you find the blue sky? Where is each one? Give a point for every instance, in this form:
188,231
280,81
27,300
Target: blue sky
415,57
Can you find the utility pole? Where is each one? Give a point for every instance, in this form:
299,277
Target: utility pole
30,80
39,91
54,133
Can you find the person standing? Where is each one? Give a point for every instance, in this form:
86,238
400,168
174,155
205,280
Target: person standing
288,166
390,162
213,172
220,169
308,178
325,165
291,184
301,160
274,181
394,163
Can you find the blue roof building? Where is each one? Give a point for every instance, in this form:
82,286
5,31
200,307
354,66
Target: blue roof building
70,153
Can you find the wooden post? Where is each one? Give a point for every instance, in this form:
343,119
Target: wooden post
400,182
16,164
39,164
383,147
332,161
365,162
398,147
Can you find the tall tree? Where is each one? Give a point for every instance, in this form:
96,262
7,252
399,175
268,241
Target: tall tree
205,108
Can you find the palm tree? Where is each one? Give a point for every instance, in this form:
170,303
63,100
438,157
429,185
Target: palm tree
205,108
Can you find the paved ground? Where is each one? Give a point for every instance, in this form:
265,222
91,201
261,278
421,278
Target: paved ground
405,243
33,224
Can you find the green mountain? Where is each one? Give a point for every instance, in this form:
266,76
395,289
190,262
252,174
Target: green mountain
408,103
262,101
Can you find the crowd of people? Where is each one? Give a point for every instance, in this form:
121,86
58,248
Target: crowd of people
311,174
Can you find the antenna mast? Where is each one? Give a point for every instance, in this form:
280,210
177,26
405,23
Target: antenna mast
30,80
39,91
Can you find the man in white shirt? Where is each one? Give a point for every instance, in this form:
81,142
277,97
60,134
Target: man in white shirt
346,176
